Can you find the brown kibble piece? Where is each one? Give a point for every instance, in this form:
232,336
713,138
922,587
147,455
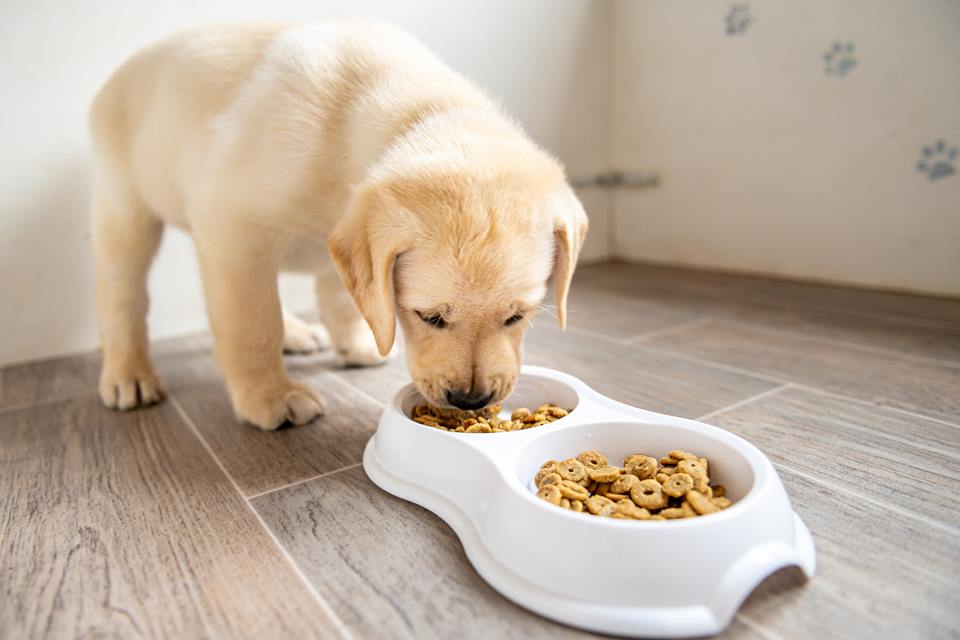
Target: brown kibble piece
649,495
576,505
565,503
608,510
677,485
573,491
721,502
550,478
672,513
572,470
520,413
592,459
550,493
641,466
678,455
544,472
718,490
632,511
604,474
693,468
701,503
595,503
624,483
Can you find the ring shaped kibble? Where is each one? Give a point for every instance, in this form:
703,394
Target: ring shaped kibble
592,459
677,486
649,495
550,478
550,493
641,466
572,470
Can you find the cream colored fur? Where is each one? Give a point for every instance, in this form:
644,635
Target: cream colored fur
270,142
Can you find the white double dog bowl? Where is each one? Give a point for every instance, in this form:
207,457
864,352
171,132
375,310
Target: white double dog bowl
673,578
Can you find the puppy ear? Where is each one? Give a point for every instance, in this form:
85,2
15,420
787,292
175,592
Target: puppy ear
569,229
364,247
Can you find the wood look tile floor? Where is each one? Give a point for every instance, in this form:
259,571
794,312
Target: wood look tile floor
178,522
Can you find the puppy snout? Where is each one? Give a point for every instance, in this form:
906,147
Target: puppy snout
468,400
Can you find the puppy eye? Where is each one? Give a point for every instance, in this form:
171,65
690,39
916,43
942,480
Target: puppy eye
514,319
435,320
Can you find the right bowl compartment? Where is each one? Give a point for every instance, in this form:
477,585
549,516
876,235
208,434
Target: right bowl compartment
695,569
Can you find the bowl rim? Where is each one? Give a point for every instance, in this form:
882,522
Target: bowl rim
735,509
400,397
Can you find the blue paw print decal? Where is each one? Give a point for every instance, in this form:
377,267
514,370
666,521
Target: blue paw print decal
738,19
937,161
839,59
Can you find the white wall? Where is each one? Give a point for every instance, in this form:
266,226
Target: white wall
548,59
771,165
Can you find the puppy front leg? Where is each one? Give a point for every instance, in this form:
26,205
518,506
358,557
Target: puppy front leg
349,332
240,284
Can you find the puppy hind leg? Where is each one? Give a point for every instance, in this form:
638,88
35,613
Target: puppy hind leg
125,240
349,332
300,336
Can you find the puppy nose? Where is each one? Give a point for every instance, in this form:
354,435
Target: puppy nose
466,400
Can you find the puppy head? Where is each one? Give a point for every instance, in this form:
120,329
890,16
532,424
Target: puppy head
462,262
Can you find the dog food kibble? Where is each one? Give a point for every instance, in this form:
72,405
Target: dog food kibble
486,420
645,488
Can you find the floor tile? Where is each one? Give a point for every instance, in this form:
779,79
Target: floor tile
927,388
262,460
648,380
906,462
121,525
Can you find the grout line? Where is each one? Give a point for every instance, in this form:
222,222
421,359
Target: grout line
757,627
906,412
299,482
751,399
715,365
341,627
930,522
40,403
677,328
841,342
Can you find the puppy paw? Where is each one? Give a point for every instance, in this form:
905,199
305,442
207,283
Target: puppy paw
269,409
129,387
359,351
300,337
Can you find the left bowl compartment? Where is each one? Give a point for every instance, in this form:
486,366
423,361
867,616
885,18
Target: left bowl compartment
456,470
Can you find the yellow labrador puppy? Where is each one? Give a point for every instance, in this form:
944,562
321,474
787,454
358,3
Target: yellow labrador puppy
346,151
